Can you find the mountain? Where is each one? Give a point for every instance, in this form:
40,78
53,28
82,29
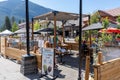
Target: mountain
16,8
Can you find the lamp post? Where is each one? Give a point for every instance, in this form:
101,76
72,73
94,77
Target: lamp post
27,27
80,39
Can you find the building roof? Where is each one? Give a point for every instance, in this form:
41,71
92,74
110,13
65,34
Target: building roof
22,31
113,12
59,16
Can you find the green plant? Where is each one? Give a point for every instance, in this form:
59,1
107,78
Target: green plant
105,22
106,37
77,39
118,35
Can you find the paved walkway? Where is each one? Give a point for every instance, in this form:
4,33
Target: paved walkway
10,70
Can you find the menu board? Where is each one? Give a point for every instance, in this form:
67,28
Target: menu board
47,61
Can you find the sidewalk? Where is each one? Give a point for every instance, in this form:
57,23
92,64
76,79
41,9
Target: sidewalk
10,70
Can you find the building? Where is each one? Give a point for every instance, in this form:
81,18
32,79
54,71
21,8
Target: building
112,14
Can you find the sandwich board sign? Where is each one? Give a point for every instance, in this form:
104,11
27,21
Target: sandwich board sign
48,61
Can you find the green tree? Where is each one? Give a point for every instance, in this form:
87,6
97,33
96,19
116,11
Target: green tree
19,21
118,20
36,25
12,20
23,20
7,24
14,27
94,17
105,22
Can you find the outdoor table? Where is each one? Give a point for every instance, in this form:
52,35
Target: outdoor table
64,46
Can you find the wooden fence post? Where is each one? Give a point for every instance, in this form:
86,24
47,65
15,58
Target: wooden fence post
87,68
100,58
96,72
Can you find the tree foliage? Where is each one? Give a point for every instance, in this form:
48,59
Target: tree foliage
36,25
7,24
14,27
12,20
105,22
19,21
118,20
94,18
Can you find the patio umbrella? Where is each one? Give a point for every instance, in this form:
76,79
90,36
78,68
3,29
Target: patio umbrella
6,32
113,30
104,31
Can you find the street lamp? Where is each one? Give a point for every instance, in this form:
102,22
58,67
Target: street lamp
80,39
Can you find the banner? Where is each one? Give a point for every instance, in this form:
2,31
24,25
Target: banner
47,61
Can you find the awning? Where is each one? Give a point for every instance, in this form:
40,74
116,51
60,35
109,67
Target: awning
94,26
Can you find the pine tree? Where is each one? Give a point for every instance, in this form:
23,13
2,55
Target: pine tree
14,27
19,21
7,24
12,20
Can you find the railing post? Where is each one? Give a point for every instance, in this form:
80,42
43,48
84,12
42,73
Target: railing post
100,58
87,69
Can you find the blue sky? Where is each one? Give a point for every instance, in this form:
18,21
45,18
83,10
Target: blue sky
89,6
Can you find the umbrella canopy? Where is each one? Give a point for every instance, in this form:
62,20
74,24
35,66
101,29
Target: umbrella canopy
6,32
104,31
110,30
22,31
94,26
113,30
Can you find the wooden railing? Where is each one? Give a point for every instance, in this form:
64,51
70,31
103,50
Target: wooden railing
107,70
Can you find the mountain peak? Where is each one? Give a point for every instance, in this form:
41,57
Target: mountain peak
16,8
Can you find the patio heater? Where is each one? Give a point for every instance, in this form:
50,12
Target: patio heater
80,39
28,62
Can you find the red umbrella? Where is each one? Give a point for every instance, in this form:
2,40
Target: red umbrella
104,31
113,30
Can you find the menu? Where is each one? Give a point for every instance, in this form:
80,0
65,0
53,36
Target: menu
47,61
